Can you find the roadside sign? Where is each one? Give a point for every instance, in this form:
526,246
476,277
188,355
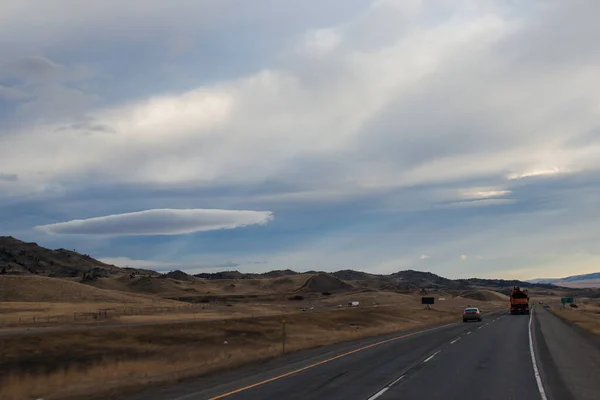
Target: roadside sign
566,300
427,300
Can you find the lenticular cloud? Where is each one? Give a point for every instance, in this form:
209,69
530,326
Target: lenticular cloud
160,222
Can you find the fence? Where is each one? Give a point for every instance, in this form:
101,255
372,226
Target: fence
99,314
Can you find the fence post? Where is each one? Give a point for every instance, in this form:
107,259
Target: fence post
283,336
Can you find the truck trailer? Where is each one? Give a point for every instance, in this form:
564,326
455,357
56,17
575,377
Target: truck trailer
519,301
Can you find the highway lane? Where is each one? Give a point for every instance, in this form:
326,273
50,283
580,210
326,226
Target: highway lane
494,362
338,375
488,360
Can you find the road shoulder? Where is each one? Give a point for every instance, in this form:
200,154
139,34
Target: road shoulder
568,358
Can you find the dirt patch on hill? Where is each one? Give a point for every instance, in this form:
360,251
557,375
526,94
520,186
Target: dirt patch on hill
485,295
324,283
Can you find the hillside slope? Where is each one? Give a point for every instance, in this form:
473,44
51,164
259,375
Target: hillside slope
18,257
324,283
34,288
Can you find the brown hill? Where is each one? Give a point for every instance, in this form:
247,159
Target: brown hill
143,284
179,276
44,289
351,275
411,278
323,282
484,295
21,258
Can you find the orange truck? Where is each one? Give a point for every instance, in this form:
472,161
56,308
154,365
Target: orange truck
519,301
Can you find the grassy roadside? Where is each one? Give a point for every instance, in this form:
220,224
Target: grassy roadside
586,316
100,362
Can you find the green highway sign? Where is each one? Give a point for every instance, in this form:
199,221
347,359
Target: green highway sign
566,300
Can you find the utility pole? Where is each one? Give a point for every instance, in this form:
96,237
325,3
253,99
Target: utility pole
283,336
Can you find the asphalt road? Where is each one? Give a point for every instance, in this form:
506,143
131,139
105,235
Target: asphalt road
488,360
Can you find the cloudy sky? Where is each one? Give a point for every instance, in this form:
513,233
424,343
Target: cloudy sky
458,137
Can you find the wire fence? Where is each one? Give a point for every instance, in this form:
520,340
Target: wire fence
97,315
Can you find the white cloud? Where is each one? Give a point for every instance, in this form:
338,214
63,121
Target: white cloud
483,193
160,222
425,257
254,128
463,257
423,105
322,41
536,172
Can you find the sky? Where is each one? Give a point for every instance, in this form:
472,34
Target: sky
457,137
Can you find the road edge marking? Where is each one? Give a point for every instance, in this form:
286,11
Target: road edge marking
379,394
536,371
242,389
431,356
385,389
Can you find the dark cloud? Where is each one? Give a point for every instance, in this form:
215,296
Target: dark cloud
32,69
87,125
9,177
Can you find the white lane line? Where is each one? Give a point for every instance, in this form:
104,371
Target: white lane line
468,333
385,389
455,340
536,372
378,394
396,381
431,356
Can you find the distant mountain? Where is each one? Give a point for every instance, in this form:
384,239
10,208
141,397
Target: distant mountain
425,279
324,282
223,275
351,275
242,275
178,276
544,280
278,273
22,258
585,280
585,277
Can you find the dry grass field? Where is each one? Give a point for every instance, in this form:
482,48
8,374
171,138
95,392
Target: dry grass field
587,315
81,363
100,361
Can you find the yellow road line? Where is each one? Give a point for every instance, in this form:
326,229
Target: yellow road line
221,396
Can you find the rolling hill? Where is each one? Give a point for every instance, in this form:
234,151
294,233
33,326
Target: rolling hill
19,259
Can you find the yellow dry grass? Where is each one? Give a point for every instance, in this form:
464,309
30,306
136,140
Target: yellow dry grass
586,315
17,315
41,289
79,364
